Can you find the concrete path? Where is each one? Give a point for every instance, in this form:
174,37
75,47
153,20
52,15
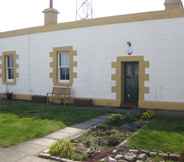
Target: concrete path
28,151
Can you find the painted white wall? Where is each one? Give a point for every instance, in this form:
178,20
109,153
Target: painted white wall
160,41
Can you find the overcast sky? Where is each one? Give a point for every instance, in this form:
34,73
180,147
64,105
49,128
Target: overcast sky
15,14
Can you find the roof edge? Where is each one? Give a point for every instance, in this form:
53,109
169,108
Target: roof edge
145,16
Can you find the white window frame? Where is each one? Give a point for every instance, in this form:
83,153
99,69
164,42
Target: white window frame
63,66
7,68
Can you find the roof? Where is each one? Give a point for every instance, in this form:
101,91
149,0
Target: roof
146,16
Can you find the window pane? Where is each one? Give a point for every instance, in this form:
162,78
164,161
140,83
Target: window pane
10,74
10,61
9,67
64,59
64,74
63,66
67,60
67,74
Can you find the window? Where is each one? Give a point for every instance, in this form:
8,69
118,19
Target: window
63,66
9,70
9,62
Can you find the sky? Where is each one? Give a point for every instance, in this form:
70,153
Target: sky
17,14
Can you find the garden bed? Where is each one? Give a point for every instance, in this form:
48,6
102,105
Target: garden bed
117,140
99,142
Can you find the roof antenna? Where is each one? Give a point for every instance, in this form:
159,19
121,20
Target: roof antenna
84,9
51,3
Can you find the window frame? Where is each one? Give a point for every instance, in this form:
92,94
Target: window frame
59,66
11,54
54,65
11,68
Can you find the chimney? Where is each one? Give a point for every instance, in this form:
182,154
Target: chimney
50,15
173,4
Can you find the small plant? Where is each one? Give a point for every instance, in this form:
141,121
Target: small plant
90,141
147,115
115,120
62,148
131,117
157,159
114,138
79,156
103,127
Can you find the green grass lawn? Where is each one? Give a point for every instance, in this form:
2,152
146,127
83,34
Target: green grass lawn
22,121
161,134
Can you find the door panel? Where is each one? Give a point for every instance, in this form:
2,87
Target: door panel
131,84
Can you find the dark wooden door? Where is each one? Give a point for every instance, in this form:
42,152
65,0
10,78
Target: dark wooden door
131,83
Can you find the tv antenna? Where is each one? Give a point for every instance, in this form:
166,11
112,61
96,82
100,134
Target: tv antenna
84,9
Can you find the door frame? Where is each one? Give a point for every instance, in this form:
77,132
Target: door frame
118,88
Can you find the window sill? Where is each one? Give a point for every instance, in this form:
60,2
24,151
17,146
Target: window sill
13,82
63,83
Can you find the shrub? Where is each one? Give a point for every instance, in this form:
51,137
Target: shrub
79,156
115,120
101,130
103,127
114,138
147,115
89,140
62,148
131,118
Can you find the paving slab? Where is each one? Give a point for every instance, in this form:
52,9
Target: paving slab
9,155
90,123
29,148
43,141
65,133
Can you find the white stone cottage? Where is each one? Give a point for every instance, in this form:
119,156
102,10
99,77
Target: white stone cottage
135,59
